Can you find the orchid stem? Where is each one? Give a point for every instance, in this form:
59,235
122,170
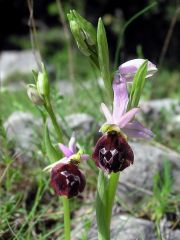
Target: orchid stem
50,111
102,207
112,187
67,225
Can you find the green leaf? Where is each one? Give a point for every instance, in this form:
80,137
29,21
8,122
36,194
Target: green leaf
51,151
101,207
112,187
103,56
137,86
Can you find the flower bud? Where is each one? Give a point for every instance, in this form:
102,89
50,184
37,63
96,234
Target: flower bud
112,153
129,69
83,32
43,82
34,95
67,180
79,37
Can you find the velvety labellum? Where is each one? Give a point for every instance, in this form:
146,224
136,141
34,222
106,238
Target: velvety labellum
112,153
67,180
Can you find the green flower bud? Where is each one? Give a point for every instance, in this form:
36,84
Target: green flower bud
43,82
87,28
34,95
84,33
79,37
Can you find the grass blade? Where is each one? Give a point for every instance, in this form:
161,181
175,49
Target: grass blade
137,86
103,56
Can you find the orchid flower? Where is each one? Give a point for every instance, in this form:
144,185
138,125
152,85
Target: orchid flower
66,178
112,153
122,120
70,155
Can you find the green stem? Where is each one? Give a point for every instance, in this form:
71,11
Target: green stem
67,228
112,187
50,111
67,225
106,191
102,208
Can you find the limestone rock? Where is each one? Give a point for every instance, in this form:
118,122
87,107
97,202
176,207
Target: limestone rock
122,227
137,180
17,61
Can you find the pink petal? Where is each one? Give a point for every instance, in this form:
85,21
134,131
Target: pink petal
135,125
134,133
129,68
72,143
127,117
137,130
66,151
84,156
120,97
106,113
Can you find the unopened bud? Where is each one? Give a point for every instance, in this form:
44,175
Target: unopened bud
79,37
83,32
34,95
43,82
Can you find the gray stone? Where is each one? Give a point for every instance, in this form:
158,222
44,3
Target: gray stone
162,113
166,230
122,227
81,122
137,180
175,235
174,125
156,106
129,228
67,87
20,127
23,128
17,61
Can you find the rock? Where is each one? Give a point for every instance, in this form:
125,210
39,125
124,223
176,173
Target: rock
23,128
161,114
175,235
81,122
17,61
137,180
20,128
156,106
129,228
166,230
122,227
174,125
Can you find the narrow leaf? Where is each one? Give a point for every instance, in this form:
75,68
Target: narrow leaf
112,187
51,151
137,86
103,56
101,207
